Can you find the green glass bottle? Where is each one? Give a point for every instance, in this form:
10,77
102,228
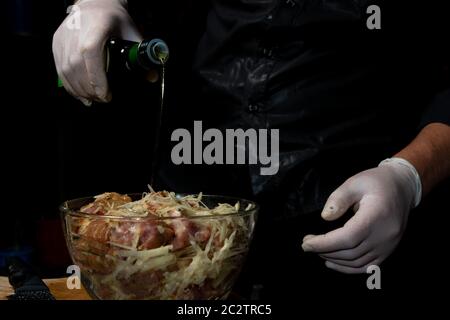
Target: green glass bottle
123,57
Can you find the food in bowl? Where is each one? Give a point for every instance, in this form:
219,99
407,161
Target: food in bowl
158,245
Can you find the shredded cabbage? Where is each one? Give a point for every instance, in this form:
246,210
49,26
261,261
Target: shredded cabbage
181,257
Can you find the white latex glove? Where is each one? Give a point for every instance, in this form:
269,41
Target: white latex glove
381,198
78,46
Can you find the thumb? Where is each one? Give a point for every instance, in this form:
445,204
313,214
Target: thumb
339,202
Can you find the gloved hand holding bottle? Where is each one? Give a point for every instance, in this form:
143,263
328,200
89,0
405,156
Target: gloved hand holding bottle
79,42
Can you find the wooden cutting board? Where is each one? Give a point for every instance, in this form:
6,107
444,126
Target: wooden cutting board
57,287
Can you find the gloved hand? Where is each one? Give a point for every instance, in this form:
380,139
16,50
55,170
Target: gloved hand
381,198
79,49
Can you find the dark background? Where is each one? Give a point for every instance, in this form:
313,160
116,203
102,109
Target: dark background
31,116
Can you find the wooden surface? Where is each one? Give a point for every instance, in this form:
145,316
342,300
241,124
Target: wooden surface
57,287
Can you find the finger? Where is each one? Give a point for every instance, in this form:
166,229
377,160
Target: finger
93,55
308,236
350,254
66,83
89,95
340,201
356,263
347,237
349,270
71,65
71,91
80,84
62,69
76,89
61,63
68,87
78,72
85,101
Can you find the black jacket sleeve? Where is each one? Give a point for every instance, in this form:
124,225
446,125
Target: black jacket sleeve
438,110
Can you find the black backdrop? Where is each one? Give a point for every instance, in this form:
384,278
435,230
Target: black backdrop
54,148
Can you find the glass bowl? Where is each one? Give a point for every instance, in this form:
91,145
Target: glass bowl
190,257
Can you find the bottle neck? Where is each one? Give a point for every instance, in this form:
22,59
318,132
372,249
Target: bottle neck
151,52
145,55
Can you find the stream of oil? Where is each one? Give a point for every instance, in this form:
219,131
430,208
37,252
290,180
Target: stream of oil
156,156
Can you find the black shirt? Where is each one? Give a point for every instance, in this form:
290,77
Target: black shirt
343,97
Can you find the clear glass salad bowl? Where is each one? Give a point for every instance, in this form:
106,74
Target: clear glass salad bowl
172,257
